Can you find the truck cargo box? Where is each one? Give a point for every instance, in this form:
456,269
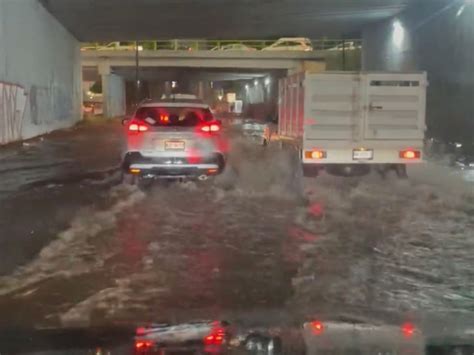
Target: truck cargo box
354,117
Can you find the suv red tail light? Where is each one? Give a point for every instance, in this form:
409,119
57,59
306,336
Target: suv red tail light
137,127
211,127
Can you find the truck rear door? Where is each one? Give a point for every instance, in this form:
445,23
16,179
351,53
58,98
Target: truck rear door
332,107
394,106
291,106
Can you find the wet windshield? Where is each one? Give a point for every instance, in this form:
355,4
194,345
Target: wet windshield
237,175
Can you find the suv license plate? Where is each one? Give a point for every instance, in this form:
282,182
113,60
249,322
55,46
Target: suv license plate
362,154
174,145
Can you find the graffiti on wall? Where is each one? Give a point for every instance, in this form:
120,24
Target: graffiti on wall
13,99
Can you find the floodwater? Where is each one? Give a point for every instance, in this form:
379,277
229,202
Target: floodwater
259,241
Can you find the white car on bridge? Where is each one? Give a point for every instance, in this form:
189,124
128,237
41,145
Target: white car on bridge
233,47
291,44
113,46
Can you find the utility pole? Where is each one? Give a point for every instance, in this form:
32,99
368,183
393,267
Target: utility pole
343,54
137,74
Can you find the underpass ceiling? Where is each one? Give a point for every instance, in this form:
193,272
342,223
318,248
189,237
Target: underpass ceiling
107,20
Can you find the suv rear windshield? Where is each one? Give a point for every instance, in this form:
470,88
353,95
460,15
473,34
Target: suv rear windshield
174,116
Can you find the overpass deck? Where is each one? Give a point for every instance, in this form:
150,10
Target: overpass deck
203,59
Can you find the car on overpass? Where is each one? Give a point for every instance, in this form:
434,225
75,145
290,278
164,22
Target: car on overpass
113,46
291,44
233,47
173,138
349,45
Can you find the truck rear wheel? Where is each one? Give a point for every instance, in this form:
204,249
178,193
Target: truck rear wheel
401,171
129,179
310,170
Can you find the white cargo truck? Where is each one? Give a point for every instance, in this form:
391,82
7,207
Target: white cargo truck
350,122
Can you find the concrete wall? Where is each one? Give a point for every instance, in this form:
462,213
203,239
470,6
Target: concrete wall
437,37
113,89
38,55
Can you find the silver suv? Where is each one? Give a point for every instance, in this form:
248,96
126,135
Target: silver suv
173,139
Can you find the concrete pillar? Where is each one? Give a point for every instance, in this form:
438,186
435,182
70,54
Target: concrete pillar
113,92
200,89
156,89
168,89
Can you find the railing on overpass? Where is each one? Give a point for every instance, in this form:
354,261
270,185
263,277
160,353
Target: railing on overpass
214,45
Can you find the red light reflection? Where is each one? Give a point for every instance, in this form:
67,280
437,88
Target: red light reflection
216,337
317,327
408,329
143,344
316,209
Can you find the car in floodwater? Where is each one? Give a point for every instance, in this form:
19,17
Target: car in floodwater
173,138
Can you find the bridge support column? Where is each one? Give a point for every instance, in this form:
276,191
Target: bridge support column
200,90
155,89
113,92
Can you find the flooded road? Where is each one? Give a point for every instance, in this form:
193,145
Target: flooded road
62,156
259,240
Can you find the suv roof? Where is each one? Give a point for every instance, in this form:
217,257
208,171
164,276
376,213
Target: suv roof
179,97
174,103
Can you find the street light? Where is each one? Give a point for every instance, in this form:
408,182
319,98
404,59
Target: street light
247,86
267,81
398,35
255,82
461,10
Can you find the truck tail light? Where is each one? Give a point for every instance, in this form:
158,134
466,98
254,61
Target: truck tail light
317,327
315,154
410,154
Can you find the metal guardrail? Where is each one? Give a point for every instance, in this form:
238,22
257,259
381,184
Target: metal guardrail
210,45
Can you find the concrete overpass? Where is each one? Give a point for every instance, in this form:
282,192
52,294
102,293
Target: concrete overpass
291,60
112,66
